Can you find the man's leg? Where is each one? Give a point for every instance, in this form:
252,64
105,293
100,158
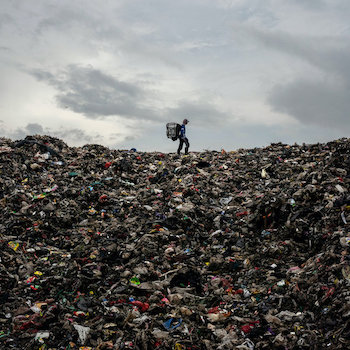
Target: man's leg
187,146
180,146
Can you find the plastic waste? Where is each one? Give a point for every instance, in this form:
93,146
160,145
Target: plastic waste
160,252
172,323
83,332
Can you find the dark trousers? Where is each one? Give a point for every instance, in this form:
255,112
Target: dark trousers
182,141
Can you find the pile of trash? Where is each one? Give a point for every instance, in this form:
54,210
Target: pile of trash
120,249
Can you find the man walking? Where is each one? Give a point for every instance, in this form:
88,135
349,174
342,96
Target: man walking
183,138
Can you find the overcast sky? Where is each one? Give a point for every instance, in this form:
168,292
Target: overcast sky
244,72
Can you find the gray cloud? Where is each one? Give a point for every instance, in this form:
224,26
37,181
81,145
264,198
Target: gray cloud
21,132
314,102
72,136
94,94
130,138
76,134
201,112
5,19
116,135
34,128
90,92
329,54
318,98
311,4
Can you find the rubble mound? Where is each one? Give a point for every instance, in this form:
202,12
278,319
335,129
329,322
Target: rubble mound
110,249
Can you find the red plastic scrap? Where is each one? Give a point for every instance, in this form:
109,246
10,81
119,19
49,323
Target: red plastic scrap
142,306
330,291
79,313
31,280
30,325
243,213
248,327
107,165
103,198
214,310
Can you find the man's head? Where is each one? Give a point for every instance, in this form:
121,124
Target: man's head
185,121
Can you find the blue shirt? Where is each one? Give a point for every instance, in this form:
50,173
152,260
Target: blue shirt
183,131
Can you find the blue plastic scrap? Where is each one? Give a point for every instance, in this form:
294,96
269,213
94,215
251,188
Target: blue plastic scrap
172,323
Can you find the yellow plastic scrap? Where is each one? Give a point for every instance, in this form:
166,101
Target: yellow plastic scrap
38,273
14,245
178,346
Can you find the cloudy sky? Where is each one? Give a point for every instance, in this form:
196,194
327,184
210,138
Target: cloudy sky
244,72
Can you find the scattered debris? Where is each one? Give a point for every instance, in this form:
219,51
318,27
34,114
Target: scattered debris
107,249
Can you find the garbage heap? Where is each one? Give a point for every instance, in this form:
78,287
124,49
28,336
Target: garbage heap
119,249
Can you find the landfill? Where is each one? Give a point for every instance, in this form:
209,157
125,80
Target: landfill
121,249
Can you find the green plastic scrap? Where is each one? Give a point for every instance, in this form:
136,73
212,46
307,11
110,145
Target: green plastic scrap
3,334
73,173
40,196
135,280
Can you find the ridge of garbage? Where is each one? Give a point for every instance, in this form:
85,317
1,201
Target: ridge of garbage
120,249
